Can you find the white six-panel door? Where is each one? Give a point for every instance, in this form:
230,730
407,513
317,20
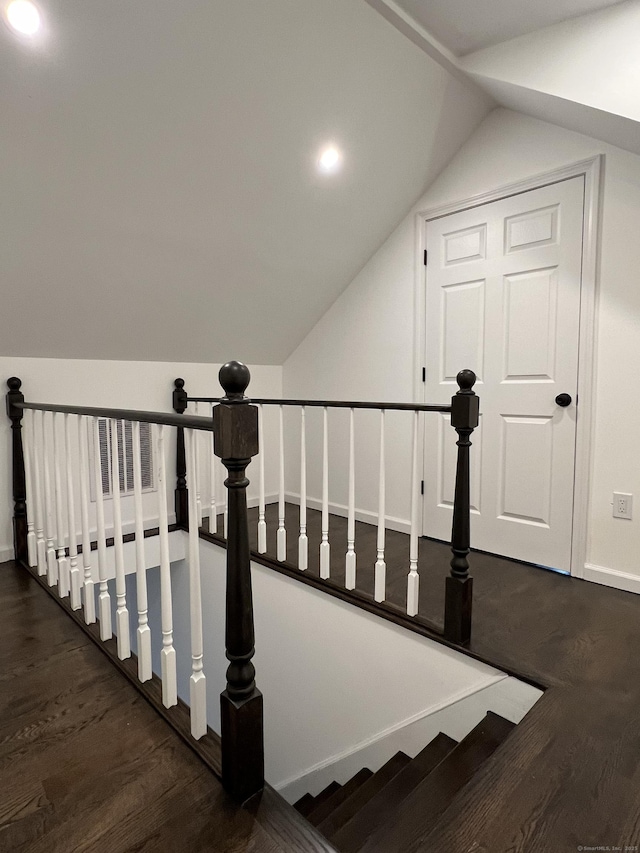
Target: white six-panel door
503,298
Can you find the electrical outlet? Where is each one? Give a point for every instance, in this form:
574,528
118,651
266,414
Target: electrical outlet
622,505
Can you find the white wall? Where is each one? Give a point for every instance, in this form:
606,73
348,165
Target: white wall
129,385
364,345
332,676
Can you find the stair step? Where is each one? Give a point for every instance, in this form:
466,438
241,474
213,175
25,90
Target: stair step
327,792
413,820
354,833
323,810
365,792
305,804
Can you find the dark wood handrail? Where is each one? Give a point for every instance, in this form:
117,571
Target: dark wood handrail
336,404
186,421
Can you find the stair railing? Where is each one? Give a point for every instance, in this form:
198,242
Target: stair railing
46,540
464,414
45,536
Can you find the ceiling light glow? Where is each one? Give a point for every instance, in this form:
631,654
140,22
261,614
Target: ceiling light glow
330,159
24,17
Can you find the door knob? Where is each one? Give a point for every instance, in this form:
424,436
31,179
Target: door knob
563,400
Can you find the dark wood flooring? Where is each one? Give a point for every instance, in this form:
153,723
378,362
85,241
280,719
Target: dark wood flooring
569,775
86,764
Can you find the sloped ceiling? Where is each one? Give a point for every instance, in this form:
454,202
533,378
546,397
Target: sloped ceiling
158,192
570,62
469,25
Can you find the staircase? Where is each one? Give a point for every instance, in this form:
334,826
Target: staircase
395,809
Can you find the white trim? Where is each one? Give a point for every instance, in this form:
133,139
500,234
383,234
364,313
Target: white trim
421,37
7,554
563,173
255,501
401,525
611,577
587,347
593,170
489,681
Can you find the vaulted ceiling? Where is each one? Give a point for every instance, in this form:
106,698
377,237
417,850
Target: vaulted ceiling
159,197
465,26
570,62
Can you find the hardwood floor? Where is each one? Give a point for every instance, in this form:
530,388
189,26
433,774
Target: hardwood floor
569,775
86,764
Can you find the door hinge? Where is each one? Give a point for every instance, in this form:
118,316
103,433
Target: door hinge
424,374
422,487
425,257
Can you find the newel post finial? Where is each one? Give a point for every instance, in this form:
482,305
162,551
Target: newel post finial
181,491
465,413
15,414
234,377
466,379
235,439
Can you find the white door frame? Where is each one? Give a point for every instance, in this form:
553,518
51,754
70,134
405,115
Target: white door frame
593,171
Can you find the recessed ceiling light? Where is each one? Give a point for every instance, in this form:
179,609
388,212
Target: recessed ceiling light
24,17
330,159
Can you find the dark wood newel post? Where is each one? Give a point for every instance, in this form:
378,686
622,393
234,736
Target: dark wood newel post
235,437
19,481
465,409
181,493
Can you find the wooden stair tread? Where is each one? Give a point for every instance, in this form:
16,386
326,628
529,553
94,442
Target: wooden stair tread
305,804
323,796
352,805
412,821
321,811
354,833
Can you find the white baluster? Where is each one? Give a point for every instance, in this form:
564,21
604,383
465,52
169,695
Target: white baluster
381,567
88,586
144,631
325,550
281,536
122,613
168,653
104,599
63,562
262,524
303,541
413,580
197,682
197,473
52,565
32,546
350,560
38,451
74,574
213,467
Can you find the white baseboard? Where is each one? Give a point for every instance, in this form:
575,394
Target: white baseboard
268,499
6,554
612,577
402,525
